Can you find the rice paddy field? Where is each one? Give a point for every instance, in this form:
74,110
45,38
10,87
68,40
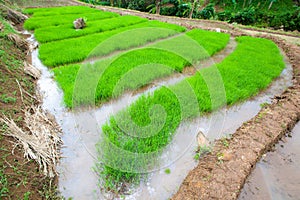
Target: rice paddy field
115,54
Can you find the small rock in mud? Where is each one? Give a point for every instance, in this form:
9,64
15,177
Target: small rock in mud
227,156
79,23
201,139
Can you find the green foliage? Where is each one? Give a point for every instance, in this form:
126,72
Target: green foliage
165,58
97,2
7,28
27,195
137,5
4,184
245,16
168,171
51,33
7,99
202,150
208,12
282,14
289,20
54,53
224,15
248,70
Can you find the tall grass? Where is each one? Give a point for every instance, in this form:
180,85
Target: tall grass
137,68
54,53
133,131
53,33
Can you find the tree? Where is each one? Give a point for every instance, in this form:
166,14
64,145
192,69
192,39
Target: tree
158,4
193,8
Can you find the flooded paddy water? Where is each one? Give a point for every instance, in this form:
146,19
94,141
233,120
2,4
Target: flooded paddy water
277,175
82,130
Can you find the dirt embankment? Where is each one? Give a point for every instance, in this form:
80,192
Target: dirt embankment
21,178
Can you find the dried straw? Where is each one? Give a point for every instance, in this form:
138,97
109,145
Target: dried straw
40,142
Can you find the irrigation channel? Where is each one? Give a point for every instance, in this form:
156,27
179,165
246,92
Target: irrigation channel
82,130
277,175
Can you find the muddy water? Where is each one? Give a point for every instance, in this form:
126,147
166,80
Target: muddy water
82,130
277,175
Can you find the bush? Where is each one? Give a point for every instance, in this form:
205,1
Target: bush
289,21
245,17
183,10
208,12
224,16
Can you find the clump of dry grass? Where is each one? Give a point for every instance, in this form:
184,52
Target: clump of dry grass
40,138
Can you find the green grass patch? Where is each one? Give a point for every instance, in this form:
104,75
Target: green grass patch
136,68
54,53
7,28
51,33
63,19
146,128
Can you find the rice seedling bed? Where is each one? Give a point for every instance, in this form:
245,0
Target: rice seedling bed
62,19
54,54
42,12
244,73
51,33
164,57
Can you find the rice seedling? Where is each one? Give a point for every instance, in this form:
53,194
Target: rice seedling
51,33
63,19
41,12
136,68
139,130
54,53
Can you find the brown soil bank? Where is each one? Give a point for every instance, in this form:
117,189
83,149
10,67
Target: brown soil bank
222,173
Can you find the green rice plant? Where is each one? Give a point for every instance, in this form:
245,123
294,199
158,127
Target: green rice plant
42,12
195,45
132,70
139,129
53,33
64,19
54,53
113,70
